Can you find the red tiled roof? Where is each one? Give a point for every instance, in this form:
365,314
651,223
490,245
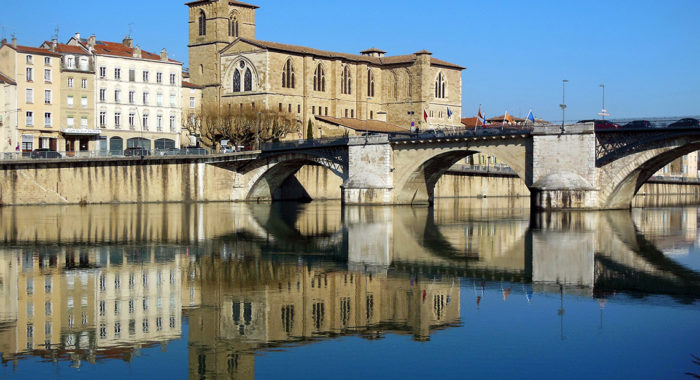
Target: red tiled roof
5,79
63,48
394,60
190,85
232,2
364,125
120,50
471,122
31,50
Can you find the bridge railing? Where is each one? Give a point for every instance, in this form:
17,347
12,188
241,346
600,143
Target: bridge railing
97,154
304,144
490,130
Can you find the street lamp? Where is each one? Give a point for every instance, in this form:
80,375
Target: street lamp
367,118
603,112
563,103
257,132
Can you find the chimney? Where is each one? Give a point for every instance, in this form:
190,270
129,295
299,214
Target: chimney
77,37
54,44
163,55
91,42
128,42
137,52
14,42
4,41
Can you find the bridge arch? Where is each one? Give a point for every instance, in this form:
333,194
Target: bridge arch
621,179
265,177
419,167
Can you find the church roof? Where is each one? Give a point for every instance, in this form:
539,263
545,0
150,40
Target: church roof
379,61
231,2
358,125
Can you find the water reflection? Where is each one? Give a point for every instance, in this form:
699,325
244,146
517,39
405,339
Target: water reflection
104,282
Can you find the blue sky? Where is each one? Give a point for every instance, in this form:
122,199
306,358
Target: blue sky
646,52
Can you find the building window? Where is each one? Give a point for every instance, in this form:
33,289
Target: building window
103,71
117,94
440,86
132,119
159,123
29,96
319,79
202,23
103,119
236,81
70,82
288,75
132,96
69,62
313,110
191,101
47,75
117,119
159,77
370,83
132,75
30,74
47,119
346,112
30,118
84,101
280,107
145,98
233,26
30,59
326,111
172,100
117,73
144,120
47,96
47,61
70,101
83,122
298,108
346,81
70,121
83,83
173,78
352,114
172,123
103,95
248,80
159,99
371,114
145,76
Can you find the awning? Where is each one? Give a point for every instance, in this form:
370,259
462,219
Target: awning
81,132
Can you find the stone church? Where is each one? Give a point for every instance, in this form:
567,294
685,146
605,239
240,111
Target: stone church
339,92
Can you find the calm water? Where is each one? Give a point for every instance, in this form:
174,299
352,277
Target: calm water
469,288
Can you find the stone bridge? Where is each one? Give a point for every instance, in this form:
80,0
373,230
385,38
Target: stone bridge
574,169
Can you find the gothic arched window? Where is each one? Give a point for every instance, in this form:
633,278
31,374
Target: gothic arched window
319,79
202,23
346,81
440,86
370,83
288,75
248,80
233,26
236,81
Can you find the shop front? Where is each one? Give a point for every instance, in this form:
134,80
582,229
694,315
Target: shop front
80,141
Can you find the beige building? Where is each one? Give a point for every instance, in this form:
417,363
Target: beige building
191,105
686,166
8,114
239,71
37,74
138,95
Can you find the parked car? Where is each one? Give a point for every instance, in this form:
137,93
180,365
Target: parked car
599,125
45,153
135,151
688,122
637,124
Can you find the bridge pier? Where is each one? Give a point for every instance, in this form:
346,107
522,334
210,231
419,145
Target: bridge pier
562,172
370,179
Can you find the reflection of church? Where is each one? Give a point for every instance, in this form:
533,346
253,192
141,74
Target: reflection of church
248,306
333,89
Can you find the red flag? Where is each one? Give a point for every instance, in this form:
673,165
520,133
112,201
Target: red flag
425,116
479,114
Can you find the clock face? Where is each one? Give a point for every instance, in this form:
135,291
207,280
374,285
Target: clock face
242,64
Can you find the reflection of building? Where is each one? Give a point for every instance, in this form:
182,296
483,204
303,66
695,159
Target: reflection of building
247,306
70,303
673,230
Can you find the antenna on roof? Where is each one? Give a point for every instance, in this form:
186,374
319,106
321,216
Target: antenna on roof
131,29
55,32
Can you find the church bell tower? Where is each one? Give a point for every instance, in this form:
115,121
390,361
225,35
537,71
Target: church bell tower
213,25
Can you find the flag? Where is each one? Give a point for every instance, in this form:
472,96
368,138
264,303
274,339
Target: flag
479,114
508,118
425,116
531,117
449,113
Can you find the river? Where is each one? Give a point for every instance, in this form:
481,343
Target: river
468,288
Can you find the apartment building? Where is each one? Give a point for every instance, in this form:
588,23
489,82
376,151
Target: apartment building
36,72
8,114
138,95
191,106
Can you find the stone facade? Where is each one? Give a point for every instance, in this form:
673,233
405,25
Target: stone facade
191,104
8,114
239,71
